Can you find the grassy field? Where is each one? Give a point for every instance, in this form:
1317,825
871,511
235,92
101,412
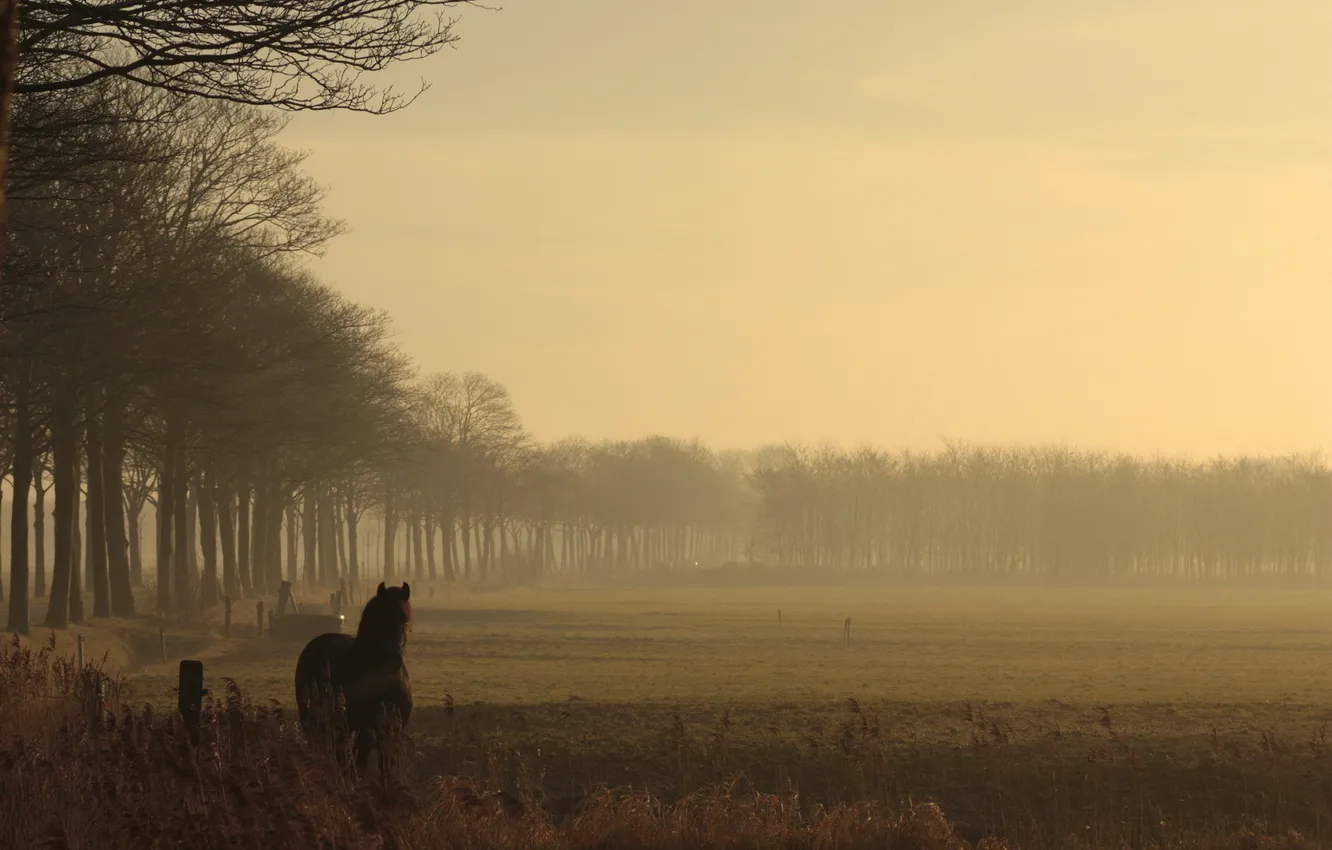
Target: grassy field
1020,711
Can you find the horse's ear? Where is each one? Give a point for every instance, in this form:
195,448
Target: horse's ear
380,592
406,591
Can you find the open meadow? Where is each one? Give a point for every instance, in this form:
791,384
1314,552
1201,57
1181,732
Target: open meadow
1022,712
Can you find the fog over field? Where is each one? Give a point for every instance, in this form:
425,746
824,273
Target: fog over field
616,425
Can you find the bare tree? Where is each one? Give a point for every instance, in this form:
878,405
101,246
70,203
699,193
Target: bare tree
296,54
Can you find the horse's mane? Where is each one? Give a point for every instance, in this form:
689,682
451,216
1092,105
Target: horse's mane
389,608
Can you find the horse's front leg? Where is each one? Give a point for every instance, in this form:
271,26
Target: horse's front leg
364,742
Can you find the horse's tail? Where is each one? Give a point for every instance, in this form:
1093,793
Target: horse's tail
316,678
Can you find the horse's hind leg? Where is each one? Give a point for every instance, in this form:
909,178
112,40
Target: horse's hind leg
387,773
377,747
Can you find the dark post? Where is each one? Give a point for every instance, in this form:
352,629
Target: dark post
161,641
226,617
284,596
191,692
846,632
99,710
259,608
80,644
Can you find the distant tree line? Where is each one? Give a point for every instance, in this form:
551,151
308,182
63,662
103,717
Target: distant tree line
1044,513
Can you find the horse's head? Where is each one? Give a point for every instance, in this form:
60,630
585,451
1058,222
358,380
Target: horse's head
387,617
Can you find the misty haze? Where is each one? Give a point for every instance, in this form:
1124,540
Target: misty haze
594,425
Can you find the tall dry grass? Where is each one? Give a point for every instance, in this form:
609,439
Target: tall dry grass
81,768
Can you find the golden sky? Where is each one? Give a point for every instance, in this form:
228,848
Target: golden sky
1098,223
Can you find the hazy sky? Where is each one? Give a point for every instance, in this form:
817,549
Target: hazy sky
1101,223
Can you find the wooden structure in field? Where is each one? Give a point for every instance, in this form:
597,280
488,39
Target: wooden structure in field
288,622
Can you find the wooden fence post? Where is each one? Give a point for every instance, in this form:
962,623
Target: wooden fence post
846,632
226,617
161,642
286,599
80,645
191,694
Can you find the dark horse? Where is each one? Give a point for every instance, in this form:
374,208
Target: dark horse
357,687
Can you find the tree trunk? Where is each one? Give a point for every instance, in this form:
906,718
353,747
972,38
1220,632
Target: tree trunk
273,546
119,568
76,582
166,496
185,579
328,535
429,522
39,527
222,503
208,591
448,544
353,566
192,527
309,532
293,543
259,539
335,522
467,545
64,458
378,549
418,562
2,569
136,543
243,571
21,472
98,568
485,538
390,532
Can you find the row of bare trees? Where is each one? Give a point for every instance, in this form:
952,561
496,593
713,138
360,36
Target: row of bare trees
159,342
504,507
152,311
458,491
1044,514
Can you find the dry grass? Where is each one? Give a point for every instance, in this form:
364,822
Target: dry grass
82,767
83,770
